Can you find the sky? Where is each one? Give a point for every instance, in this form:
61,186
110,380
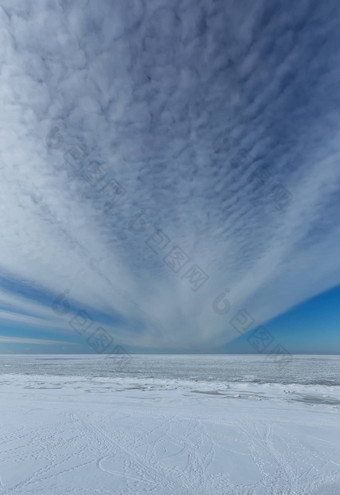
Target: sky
169,175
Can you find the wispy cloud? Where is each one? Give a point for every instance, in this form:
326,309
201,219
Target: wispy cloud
182,105
19,340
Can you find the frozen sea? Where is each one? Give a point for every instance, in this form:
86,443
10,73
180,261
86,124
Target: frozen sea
169,424
307,370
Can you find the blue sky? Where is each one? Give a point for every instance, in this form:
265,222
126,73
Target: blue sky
311,327
165,167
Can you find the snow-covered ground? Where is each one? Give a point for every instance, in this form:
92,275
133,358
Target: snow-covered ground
102,435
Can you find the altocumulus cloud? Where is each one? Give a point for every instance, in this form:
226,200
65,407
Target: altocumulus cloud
217,121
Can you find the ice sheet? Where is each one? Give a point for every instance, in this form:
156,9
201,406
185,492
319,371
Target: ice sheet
130,435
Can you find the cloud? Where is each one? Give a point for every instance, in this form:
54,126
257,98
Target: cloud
213,122
19,340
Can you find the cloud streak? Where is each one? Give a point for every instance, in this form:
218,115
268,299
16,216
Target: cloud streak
18,340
